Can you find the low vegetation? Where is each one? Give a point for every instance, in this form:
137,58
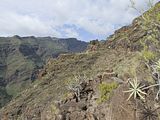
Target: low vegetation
106,90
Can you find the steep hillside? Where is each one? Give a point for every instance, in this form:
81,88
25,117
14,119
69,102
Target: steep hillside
113,80
21,57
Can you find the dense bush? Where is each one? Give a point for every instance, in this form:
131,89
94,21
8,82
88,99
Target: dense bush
106,90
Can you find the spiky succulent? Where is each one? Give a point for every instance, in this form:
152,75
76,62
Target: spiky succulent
149,113
135,90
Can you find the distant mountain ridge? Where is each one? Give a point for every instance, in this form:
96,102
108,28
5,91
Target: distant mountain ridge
21,57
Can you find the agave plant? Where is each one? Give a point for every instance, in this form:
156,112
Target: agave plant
148,113
135,90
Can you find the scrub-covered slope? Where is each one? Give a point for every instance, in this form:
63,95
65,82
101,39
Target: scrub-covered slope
91,85
21,57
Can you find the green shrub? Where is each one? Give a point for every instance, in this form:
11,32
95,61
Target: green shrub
106,90
158,17
148,55
158,65
94,42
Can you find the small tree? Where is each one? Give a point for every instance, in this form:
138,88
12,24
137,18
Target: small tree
76,85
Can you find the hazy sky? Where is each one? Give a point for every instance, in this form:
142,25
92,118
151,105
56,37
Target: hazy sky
83,19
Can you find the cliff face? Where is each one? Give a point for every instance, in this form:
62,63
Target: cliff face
22,57
91,85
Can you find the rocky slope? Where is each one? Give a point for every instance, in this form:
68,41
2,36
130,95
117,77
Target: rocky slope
22,57
91,85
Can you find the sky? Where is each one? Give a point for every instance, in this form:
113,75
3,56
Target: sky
82,19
